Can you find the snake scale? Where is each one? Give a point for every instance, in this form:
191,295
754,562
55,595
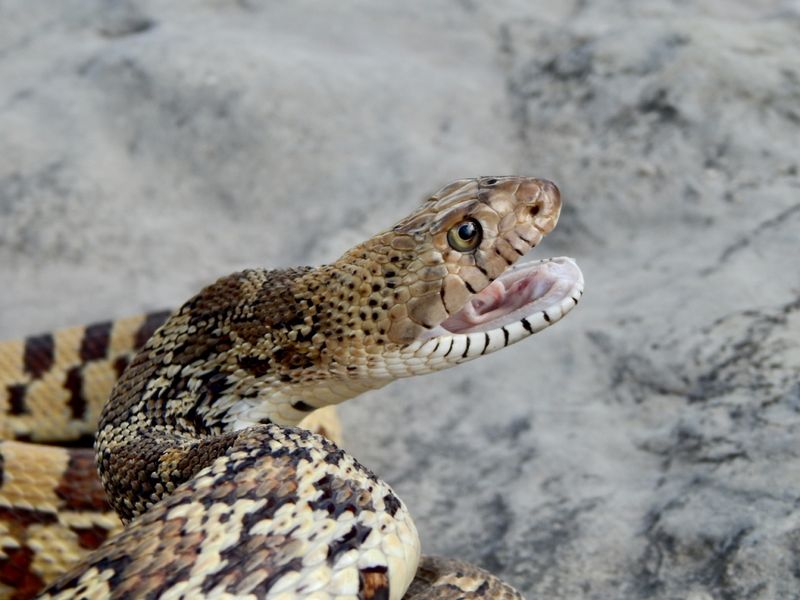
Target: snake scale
197,447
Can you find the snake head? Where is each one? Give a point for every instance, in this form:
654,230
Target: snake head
444,278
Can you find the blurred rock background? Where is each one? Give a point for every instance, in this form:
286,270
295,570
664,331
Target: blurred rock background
646,447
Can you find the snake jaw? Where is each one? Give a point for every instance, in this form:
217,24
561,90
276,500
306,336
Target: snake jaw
524,300
523,291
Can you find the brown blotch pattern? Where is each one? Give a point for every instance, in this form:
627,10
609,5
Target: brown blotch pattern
94,344
39,355
80,488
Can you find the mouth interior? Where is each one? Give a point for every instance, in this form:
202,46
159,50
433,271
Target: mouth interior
522,291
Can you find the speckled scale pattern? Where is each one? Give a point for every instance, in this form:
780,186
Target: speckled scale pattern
277,501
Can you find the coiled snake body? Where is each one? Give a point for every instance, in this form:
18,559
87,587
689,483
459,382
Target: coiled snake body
197,448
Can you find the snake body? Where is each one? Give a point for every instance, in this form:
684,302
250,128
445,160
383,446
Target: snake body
197,447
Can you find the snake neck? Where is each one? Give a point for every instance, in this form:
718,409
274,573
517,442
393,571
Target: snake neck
257,347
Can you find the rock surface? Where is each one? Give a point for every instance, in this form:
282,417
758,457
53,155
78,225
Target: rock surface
647,447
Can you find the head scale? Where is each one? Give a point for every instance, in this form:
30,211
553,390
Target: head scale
425,268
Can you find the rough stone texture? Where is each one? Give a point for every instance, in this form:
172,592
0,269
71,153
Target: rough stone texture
647,447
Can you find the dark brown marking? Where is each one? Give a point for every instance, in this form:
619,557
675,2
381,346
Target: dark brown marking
257,366
26,516
392,504
546,316
39,355
80,488
351,540
333,458
120,364
91,538
505,336
85,440
373,583
96,338
16,399
485,343
74,385
466,350
302,406
337,498
16,572
274,306
527,325
450,349
152,321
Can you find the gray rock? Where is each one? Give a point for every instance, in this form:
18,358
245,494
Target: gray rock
644,448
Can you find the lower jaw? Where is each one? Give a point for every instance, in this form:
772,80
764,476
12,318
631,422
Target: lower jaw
440,348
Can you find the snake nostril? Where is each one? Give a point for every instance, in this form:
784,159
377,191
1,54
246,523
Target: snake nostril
535,209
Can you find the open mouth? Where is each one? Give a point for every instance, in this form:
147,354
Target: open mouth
547,287
525,299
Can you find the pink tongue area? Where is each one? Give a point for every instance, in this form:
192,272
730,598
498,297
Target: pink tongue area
521,292
497,301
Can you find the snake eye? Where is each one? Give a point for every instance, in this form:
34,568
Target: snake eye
465,236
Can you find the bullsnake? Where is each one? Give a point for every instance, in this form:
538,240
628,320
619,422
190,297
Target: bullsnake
197,447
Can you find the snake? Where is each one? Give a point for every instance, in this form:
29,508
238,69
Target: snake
208,476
